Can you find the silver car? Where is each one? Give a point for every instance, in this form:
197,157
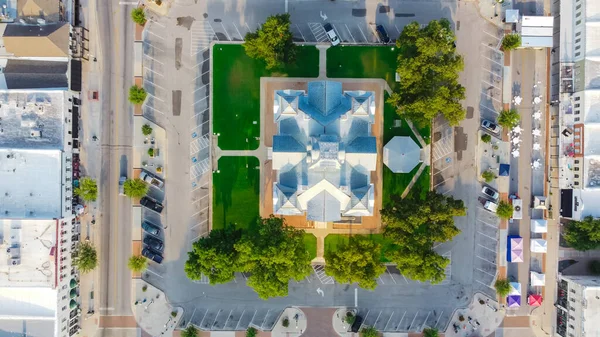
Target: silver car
490,126
335,40
490,192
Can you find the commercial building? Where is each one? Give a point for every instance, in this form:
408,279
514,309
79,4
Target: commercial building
578,306
579,152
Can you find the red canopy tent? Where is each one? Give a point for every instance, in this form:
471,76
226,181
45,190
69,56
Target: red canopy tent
534,300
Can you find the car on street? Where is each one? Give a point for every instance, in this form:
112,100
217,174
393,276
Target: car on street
490,126
382,34
490,192
152,204
152,179
122,185
150,228
152,255
154,243
491,206
335,40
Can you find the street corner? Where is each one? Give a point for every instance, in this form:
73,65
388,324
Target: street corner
342,320
292,322
152,311
481,318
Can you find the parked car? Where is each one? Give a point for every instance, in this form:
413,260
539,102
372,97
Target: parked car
150,228
335,40
152,255
152,204
152,179
154,243
122,185
490,126
383,35
490,192
491,206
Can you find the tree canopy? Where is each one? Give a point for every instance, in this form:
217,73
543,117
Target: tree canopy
138,16
505,210
509,118
137,95
430,332
273,253
358,261
86,258
429,67
369,331
215,256
272,42
137,263
488,176
511,41
251,332
87,189
584,234
502,287
135,188
415,225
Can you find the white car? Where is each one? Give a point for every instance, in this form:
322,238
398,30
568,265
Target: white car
490,192
335,40
490,126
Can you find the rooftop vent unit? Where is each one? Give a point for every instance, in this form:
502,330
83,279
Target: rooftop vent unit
35,134
15,261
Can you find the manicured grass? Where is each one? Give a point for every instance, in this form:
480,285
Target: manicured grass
236,192
334,241
389,131
363,62
236,92
310,242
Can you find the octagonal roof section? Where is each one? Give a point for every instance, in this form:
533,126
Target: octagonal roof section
401,154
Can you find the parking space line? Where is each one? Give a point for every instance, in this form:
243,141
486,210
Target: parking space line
413,321
215,320
381,279
153,59
490,84
263,322
153,272
487,285
485,272
500,64
487,236
336,31
493,226
349,32
426,318
199,113
199,187
154,72
490,96
482,246
200,88
197,77
303,38
398,30
490,34
375,33
388,322
154,84
485,107
206,196
238,31
203,317
200,100
363,34
228,317
160,112
158,36
401,319
438,320
152,46
153,96
377,319
225,30
492,48
481,258
388,271
440,171
199,223
405,280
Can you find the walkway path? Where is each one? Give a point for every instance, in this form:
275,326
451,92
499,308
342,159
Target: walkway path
413,181
322,60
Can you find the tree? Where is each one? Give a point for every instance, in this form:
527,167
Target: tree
511,41
486,138
509,118
358,261
273,254
251,332
415,225
146,129
502,287
594,267
85,258
584,234
135,188
488,176
190,331
87,189
137,95
137,263
369,332
428,67
138,16
215,256
505,210
272,42
430,332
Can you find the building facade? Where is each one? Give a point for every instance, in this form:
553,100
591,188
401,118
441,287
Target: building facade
578,306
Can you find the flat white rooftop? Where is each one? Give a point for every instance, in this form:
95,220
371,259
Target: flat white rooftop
32,119
31,184
27,256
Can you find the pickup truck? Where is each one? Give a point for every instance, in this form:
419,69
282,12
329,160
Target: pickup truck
152,180
152,204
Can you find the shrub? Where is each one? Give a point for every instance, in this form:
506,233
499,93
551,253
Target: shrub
137,95
251,332
350,318
430,332
511,41
488,176
138,16
190,331
369,332
146,129
173,314
144,288
285,322
151,152
502,287
486,138
594,267
137,263
505,210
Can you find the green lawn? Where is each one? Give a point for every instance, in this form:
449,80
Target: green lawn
334,241
236,92
236,192
363,62
310,242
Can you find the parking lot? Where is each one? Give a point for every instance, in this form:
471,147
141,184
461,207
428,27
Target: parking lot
492,60
486,250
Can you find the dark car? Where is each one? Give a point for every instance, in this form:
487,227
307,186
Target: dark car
152,255
357,324
154,243
383,36
150,228
152,204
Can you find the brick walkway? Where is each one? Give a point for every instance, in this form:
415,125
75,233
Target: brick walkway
319,322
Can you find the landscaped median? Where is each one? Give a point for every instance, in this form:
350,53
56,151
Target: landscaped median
236,92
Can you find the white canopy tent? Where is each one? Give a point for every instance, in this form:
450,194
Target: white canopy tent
538,280
539,226
538,246
515,288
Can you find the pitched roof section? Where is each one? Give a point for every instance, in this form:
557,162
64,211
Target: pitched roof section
325,101
46,9
37,41
401,154
29,74
284,200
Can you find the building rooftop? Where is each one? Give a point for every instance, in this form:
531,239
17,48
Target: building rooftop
36,41
27,258
31,327
34,9
32,119
31,184
32,74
